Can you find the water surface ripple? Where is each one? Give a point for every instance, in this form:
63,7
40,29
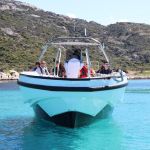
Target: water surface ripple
127,129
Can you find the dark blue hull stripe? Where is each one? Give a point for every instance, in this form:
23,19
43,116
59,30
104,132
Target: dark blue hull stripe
73,89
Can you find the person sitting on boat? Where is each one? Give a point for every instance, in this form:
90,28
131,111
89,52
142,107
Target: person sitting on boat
73,65
105,69
37,65
44,70
83,73
37,68
60,69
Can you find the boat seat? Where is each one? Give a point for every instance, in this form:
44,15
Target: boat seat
73,67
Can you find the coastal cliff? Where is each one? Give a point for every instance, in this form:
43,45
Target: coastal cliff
24,29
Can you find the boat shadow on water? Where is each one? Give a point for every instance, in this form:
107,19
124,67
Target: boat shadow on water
46,135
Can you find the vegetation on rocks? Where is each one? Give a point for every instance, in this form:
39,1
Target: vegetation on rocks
24,29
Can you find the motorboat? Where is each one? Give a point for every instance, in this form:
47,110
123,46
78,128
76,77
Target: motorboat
72,101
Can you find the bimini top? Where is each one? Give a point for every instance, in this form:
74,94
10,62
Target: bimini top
62,42
75,41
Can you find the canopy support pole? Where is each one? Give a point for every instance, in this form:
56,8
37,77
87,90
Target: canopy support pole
88,62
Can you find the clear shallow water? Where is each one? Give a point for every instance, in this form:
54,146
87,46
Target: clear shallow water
127,129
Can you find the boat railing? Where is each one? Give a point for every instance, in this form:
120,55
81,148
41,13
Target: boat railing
111,75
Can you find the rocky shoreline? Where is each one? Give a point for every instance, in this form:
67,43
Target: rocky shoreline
133,75
10,75
138,77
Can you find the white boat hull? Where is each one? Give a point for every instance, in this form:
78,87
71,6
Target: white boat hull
76,106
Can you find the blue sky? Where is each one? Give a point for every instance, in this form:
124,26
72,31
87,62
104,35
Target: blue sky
102,11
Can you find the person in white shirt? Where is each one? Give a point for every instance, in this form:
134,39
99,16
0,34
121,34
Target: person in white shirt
44,70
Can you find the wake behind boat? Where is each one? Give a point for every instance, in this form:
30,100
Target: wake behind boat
73,101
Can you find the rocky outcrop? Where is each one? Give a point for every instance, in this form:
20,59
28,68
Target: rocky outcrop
10,75
15,5
9,31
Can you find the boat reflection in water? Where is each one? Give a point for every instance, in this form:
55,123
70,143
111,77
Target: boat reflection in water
41,135
72,101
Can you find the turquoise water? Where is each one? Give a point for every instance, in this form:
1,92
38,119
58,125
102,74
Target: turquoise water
127,129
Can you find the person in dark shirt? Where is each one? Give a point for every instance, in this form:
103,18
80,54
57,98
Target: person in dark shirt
37,64
60,69
105,69
37,68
